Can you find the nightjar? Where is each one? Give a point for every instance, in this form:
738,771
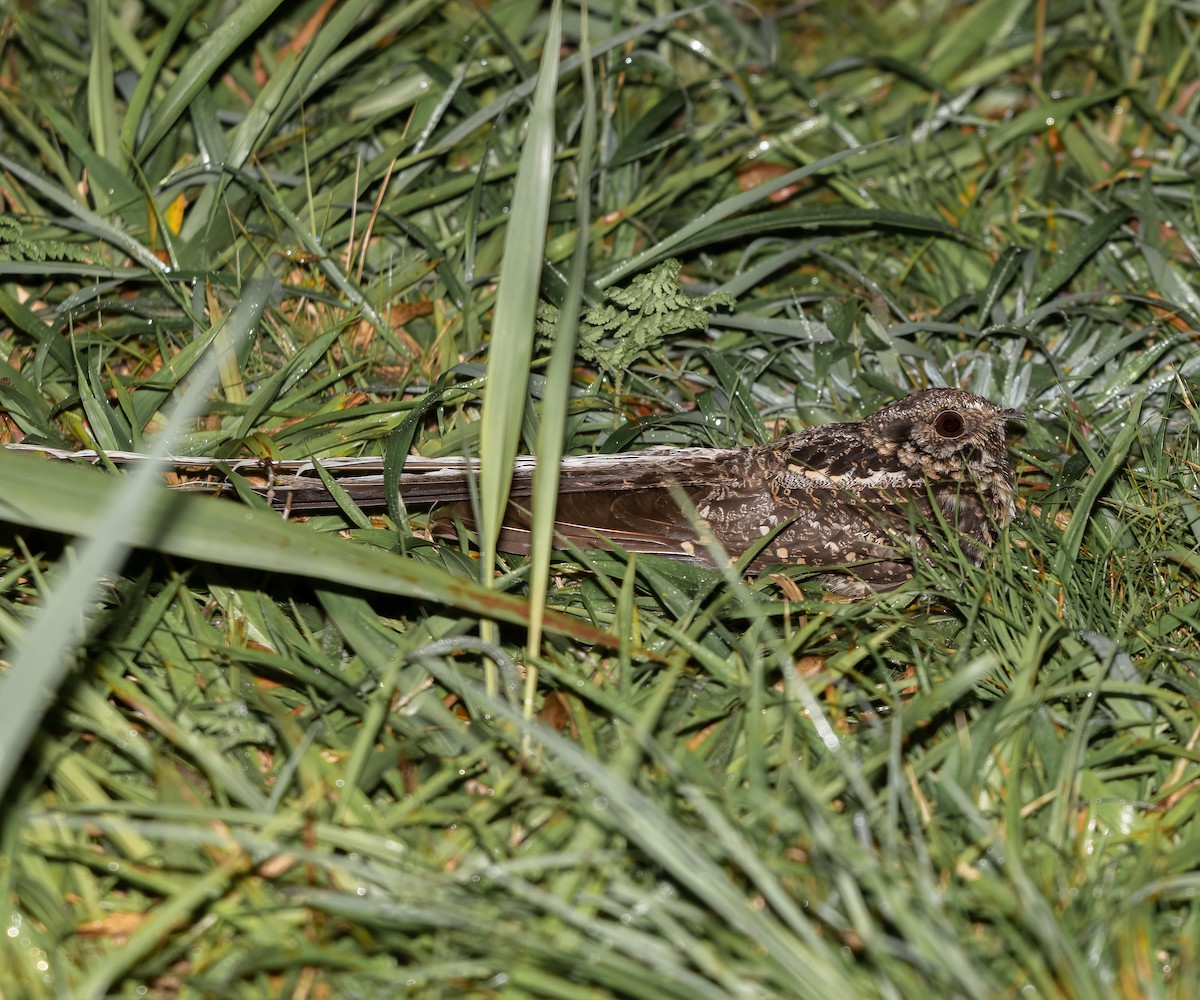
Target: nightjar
858,501
857,497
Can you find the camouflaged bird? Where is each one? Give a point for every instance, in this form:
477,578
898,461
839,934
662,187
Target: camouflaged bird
857,497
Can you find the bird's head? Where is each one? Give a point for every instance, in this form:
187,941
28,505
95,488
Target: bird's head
945,433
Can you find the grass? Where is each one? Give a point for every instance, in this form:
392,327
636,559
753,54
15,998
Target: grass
244,757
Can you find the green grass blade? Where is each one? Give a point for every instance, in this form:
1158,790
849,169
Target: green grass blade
556,395
150,75
102,111
506,393
1081,514
196,73
1081,248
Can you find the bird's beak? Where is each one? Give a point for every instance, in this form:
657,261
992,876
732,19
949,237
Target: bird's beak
1012,414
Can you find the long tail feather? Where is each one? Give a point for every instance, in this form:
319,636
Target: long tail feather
293,485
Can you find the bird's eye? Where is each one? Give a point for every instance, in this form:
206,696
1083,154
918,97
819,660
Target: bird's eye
949,424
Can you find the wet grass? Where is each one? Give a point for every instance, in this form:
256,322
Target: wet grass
244,757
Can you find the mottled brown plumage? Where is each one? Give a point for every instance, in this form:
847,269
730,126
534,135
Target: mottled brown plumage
856,496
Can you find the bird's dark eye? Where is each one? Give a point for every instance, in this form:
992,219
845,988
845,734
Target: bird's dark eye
949,424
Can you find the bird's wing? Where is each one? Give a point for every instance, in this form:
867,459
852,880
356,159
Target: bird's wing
636,520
